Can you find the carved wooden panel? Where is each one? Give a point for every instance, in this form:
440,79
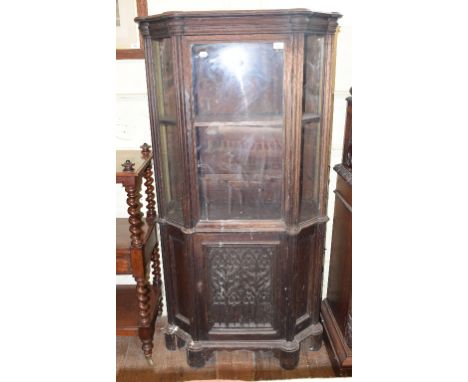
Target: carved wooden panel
241,291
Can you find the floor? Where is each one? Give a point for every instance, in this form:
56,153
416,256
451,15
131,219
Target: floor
240,364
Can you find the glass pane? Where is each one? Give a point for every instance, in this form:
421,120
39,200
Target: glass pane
313,67
311,127
172,173
238,94
171,158
165,87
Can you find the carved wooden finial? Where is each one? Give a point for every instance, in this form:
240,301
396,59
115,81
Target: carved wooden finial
145,148
128,165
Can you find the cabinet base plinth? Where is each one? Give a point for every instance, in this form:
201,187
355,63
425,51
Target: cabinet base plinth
287,352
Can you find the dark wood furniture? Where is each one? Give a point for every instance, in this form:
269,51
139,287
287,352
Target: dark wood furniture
240,108
137,251
337,306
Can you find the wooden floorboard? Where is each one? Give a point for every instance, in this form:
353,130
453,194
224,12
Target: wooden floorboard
237,365
122,347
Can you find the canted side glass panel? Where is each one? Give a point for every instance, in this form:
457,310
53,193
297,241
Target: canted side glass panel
239,124
165,87
170,146
311,127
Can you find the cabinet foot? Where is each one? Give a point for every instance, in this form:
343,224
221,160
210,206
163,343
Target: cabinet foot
171,341
180,342
316,340
195,356
289,359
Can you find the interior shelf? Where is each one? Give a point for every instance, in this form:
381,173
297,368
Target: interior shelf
254,120
310,117
168,121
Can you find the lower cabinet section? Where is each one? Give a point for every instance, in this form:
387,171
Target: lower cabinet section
243,290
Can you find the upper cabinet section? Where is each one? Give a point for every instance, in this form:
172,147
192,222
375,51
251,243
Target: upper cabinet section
241,111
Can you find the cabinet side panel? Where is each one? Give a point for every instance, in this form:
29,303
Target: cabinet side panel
304,275
311,125
170,171
339,276
180,274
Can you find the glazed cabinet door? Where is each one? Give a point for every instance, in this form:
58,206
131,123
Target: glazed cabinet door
238,122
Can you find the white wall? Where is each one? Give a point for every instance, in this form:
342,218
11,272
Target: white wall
132,106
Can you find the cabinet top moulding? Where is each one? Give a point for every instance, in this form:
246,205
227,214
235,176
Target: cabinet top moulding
238,22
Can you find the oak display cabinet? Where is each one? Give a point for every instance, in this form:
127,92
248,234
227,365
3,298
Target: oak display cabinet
240,107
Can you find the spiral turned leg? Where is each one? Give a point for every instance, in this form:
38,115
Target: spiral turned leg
133,197
149,190
157,283
145,327
145,331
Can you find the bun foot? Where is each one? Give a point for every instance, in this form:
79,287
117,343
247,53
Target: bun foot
316,339
180,342
289,359
195,356
171,341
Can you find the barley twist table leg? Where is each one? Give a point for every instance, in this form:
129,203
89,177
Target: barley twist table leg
134,219
157,283
145,331
150,197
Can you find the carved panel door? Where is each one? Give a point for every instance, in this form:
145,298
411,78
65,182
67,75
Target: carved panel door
241,283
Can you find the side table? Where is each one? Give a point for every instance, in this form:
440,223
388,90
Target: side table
137,251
